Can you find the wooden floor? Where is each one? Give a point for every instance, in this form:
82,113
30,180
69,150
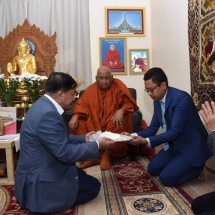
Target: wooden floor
199,186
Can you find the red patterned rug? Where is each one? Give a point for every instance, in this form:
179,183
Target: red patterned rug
129,189
9,206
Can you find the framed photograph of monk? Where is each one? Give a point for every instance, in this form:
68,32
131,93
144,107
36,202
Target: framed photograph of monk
113,55
124,21
139,61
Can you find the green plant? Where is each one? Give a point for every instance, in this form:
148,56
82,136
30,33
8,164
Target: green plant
8,88
34,87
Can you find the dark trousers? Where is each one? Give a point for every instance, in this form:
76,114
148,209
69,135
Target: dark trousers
204,205
172,168
88,187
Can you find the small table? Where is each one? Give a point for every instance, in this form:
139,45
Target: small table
8,146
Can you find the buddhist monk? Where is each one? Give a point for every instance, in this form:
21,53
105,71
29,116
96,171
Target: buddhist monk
106,105
140,64
112,59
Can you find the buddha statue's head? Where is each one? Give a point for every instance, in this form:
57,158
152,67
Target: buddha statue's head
23,48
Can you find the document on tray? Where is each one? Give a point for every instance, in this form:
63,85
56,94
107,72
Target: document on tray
114,136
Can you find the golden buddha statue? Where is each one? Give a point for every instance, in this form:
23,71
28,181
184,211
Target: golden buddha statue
24,62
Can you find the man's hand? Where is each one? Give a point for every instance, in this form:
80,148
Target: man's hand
73,123
137,140
208,114
105,143
88,135
117,118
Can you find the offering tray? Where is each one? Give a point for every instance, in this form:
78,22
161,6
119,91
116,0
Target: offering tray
113,136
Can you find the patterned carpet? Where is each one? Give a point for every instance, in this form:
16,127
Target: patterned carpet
9,206
129,189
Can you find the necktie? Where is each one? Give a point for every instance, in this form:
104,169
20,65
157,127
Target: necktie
165,145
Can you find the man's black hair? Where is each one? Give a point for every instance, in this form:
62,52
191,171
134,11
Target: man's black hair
157,75
60,81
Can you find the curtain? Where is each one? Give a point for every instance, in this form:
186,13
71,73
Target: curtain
68,18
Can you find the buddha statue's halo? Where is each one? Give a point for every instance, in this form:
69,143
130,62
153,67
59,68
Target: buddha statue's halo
32,46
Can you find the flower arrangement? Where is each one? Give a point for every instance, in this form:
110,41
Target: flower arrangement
31,84
34,85
79,82
8,88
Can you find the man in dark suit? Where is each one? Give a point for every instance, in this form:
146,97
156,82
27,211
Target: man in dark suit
205,204
47,178
184,136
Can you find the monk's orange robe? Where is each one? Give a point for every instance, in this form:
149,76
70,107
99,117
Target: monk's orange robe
98,107
113,56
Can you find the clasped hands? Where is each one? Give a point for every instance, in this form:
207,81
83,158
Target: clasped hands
208,114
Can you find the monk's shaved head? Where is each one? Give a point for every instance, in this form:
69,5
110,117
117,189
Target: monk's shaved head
103,69
104,77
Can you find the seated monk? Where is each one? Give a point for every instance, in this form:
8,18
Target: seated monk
112,59
24,63
106,105
140,64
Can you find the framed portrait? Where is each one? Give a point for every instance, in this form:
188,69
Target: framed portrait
113,55
124,21
139,61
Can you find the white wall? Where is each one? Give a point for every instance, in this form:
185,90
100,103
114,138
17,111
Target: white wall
170,50
166,38
169,20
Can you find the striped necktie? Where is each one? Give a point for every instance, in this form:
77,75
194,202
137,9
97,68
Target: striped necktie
165,145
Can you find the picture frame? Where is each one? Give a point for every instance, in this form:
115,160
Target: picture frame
8,116
113,54
125,21
139,61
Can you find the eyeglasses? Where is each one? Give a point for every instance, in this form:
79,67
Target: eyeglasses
151,90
